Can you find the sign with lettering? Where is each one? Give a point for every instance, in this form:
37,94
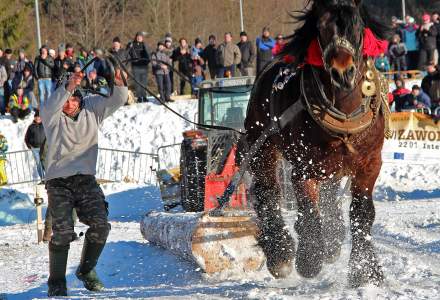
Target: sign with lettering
415,138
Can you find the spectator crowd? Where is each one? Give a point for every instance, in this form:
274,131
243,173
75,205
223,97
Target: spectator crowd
414,46
179,68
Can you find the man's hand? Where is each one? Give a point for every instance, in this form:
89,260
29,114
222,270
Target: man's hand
118,77
74,81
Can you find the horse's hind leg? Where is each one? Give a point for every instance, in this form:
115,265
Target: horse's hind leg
274,239
309,255
364,266
333,229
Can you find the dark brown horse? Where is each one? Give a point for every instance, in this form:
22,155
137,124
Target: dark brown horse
335,128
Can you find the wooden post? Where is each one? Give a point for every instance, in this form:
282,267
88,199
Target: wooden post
216,244
38,200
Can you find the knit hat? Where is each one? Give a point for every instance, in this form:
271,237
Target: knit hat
51,52
426,18
168,39
116,40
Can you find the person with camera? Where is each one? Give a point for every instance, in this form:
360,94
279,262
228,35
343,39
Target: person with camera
428,42
71,125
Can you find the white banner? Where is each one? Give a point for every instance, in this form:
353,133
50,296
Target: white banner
415,139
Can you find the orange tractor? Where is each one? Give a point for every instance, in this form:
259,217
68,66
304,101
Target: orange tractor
207,156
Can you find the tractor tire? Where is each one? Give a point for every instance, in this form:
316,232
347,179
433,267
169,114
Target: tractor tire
192,183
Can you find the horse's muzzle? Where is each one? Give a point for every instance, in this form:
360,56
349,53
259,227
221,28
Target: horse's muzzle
344,79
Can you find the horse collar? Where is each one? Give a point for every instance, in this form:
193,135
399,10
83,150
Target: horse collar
333,121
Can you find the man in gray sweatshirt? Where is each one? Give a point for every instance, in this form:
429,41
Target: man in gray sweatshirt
71,126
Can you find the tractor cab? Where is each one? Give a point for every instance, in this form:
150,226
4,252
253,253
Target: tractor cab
223,102
207,156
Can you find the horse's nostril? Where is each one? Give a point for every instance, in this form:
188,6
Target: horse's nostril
335,74
351,71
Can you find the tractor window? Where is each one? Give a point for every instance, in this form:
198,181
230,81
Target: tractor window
225,106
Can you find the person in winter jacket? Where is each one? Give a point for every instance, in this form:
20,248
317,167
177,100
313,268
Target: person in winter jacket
264,45
247,49
197,53
117,50
431,85
409,37
3,150
210,56
417,99
34,139
161,62
22,62
94,83
397,52
399,95
62,64
19,104
382,63
169,49
427,35
3,100
43,72
83,57
139,51
71,125
228,57
26,79
182,56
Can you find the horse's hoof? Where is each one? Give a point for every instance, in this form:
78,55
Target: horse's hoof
280,270
364,273
309,258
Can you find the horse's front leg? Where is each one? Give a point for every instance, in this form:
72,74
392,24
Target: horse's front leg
309,255
364,266
274,239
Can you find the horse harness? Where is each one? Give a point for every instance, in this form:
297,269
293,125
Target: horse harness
344,127
348,128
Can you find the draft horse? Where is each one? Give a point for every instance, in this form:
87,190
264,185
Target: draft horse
330,111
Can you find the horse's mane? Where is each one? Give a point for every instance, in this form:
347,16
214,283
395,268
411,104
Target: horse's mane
302,37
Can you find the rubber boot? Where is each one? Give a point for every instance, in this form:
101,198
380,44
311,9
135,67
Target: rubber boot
57,269
86,270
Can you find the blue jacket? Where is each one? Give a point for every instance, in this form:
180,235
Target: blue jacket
265,45
424,99
409,35
383,64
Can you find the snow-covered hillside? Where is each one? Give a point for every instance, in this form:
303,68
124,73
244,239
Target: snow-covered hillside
406,233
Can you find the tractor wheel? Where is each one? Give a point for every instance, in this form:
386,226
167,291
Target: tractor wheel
192,183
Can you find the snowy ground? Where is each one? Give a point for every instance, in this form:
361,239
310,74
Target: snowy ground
406,233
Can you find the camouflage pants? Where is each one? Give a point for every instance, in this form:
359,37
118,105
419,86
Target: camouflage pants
83,193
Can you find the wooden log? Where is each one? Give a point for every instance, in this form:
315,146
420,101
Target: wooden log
216,244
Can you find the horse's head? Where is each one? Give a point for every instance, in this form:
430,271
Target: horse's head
340,35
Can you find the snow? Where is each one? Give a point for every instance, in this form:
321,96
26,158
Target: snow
406,233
